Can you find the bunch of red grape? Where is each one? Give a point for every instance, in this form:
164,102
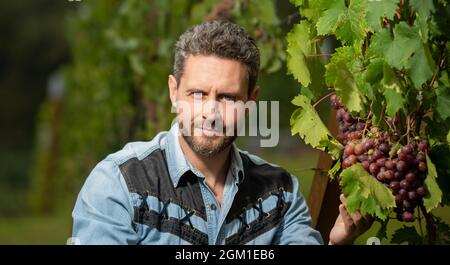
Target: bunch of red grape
402,168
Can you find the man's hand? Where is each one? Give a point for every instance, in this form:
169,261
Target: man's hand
348,226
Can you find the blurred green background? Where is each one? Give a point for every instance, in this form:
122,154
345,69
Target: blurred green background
79,79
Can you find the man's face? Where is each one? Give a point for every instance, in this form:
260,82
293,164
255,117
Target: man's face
208,87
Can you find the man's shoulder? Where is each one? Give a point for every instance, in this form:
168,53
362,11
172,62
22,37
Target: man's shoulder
263,172
137,150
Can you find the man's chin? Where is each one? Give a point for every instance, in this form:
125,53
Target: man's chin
208,145
208,142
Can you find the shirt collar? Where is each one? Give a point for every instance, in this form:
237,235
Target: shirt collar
178,164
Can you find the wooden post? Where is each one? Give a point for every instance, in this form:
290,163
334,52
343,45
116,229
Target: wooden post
323,200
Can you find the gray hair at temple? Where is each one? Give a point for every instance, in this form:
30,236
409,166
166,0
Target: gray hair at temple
220,38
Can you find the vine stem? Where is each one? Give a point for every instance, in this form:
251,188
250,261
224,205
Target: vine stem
367,120
322,98
408,127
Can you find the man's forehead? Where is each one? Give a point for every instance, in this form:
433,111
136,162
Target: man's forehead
208,72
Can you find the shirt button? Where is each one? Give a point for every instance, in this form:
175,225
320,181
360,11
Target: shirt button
212,206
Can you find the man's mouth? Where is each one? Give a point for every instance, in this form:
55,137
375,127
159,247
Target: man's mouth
209,132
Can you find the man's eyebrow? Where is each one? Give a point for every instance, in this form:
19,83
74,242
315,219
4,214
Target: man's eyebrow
233,95
194,90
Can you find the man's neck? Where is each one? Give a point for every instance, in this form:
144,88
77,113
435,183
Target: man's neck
214,168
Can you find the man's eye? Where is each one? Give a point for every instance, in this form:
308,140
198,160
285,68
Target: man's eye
228,98
197,94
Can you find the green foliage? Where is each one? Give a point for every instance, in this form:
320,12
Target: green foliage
391,63
347,21
443,232
306,122
407,234
434,196
365,193
339,74
443,102
376,10
299,47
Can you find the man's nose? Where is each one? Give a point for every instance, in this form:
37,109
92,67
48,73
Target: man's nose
211,107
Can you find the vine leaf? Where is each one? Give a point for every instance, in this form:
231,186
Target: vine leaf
407,234
306,122
404,51
366,194
382,232
423,7
299,45
336,167
348,22
392,91
339,76
379,9
443,102
443,232
434,196
394,101
421,65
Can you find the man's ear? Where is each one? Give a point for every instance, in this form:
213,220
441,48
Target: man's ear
252,97
255,93
173,89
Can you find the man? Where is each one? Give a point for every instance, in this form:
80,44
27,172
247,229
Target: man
192,185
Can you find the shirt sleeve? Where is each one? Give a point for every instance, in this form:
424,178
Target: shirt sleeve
295,228
103,212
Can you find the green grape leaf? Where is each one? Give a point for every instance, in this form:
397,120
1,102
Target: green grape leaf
423,26
392,92
335,169
348,22
306,91
404,51
381,42
442,232
440,155
327,23
366,194
374,71
377,110
421,65
423,7
398,51
382,232
379,9
331,146
306,122
297,3
443,102
365,88
299,45
407,234
403,45
339,76
394,101
434,196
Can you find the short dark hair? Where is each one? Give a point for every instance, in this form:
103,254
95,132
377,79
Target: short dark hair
223,39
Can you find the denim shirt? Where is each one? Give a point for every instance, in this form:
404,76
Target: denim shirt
149,193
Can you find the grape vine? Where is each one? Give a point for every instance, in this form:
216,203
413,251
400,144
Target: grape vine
390,91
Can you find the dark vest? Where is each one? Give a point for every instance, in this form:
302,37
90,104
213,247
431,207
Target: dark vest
150,176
